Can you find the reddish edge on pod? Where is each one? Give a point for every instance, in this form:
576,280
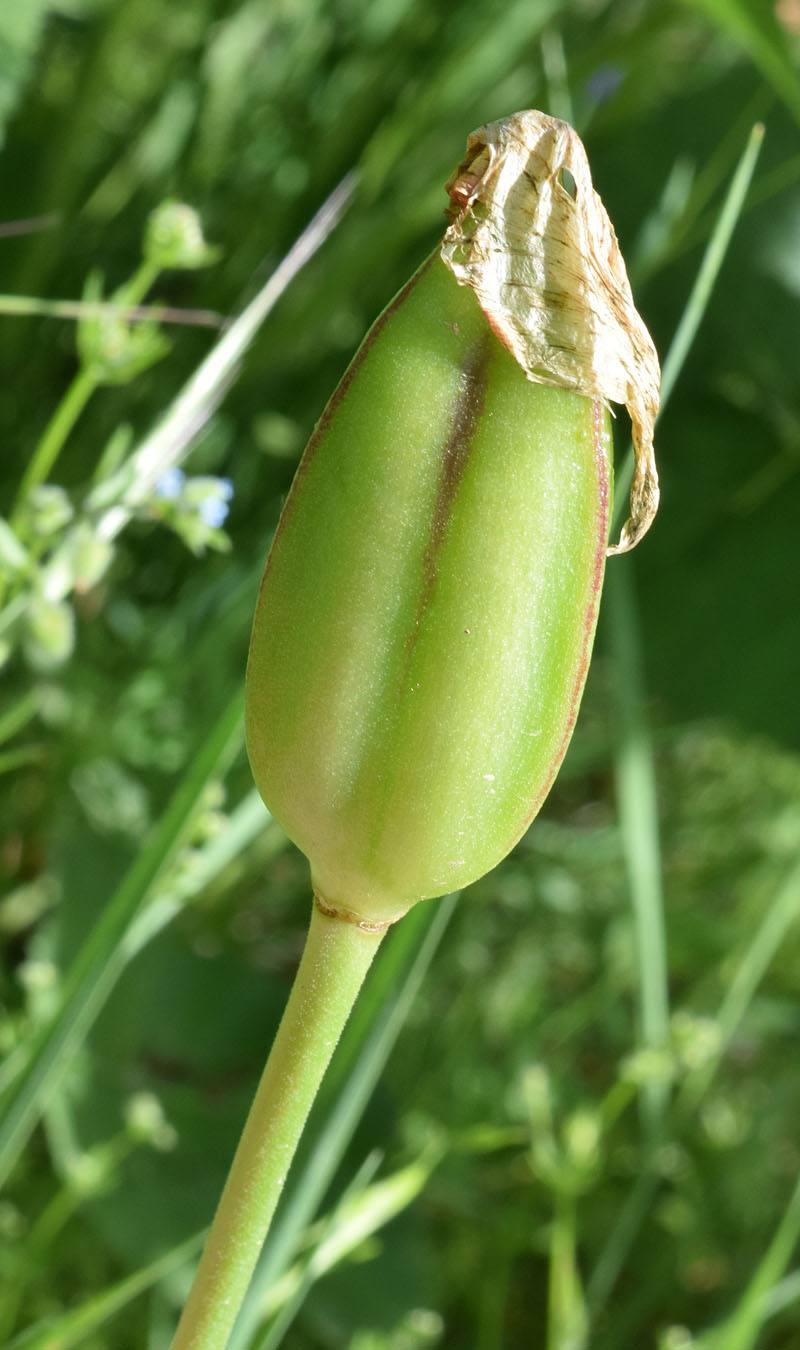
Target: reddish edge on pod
423,630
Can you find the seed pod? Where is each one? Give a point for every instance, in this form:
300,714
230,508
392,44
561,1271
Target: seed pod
426,617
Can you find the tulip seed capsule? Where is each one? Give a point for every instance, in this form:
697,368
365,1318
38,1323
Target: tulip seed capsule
423,630
424,626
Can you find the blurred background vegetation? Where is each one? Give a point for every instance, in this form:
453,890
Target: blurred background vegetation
580,1137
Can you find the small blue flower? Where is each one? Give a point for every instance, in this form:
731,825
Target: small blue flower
170,484
225,488
213,511
603,83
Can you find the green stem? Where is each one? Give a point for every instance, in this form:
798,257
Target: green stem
134,291
55,434
27,305
566,1312
83,385
639,827
337,956
742,1329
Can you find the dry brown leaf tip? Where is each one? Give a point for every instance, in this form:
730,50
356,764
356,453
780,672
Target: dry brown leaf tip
532,238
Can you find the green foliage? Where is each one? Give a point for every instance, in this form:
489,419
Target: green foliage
20,32
584,1138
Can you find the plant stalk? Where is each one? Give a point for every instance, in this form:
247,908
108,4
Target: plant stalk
335,961
56,432
566,1314
83,385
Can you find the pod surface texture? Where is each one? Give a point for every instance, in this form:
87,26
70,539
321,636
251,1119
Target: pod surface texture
425,622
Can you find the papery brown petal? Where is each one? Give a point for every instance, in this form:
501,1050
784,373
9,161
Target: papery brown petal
546,268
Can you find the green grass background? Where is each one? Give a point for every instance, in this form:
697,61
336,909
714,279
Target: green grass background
560,1131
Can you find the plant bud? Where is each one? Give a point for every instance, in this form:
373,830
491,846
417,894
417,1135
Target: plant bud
426,617
174,238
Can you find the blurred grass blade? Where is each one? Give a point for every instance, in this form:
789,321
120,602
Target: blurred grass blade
366,1045
12,760
665,221
554,63
362,1211
783,1294
17,715
694,226
21,30
620,1241
623,1234
29,225
203,392
100,961
700,294
761,950
639,828
742,1329
76,1327
288,1295
758,956
245,823
83,309
754,28
713,259
473,60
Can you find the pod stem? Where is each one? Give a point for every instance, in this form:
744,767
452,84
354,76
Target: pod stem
335,961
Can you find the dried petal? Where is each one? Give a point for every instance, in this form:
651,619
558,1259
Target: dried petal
545,265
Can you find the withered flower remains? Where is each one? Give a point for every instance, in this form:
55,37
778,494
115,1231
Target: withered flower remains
532,238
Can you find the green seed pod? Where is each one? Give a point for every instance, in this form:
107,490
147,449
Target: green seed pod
424,626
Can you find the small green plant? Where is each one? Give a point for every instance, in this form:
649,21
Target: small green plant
55,545
424,628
